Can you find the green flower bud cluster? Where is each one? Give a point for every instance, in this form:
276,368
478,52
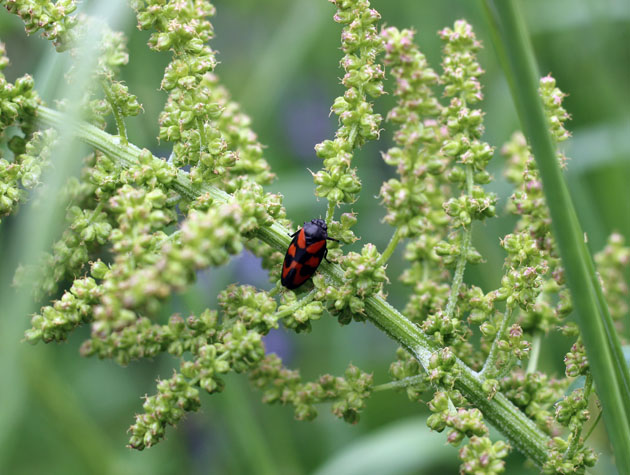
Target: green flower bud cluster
522,283
233,345
441,370
53,18
463,209
206,238
363,77
255,309
117,99
112,53
444,329
426,275
419,137
144,339
87,226
534,393
149,173
285,386
461,82
557,461
572,456
457,160
575,361
363,277
18,101
114,97
136,243
461,70
612,263
236,129
341,230
121,103
55,322
406,366
465,423
543,315
510,344
298,316
190,115
479,305
528,200
573,409
175,397
24,172
443,406
480,455
429,295
556,114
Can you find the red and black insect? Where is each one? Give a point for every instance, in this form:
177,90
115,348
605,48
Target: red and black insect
305,253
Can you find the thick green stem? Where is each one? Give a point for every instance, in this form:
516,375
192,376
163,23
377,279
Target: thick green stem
608,366
499,411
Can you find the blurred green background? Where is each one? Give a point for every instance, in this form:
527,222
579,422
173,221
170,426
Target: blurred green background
62,414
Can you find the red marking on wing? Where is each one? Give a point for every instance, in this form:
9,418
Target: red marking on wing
301,240
315,247
313,261
294,265
299,279
291,251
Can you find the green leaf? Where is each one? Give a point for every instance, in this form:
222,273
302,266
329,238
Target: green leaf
406,446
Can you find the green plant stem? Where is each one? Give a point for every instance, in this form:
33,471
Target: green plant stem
600,338
391,247
489,367
401,383
535,353
297,305
575,439
118,117
202,134
499,411
460,267
330,212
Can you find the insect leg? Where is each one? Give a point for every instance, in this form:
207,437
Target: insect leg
325,254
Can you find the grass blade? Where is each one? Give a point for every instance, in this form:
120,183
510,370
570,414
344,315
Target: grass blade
600,338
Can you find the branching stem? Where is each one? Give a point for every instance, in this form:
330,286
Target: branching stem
391,247
489,366
460,267
297,305
521,431
401,383
118,117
